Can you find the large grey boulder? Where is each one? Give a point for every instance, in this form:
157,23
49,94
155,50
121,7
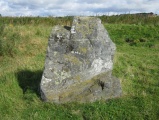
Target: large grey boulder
79,63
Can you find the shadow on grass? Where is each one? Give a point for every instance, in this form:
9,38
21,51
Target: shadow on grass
29,81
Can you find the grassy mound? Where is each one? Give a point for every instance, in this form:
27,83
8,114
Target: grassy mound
136,64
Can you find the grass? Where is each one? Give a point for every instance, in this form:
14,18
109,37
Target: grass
136,64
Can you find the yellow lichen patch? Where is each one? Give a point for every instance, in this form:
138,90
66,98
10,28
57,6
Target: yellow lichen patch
52,96
77,77
72,59
76,90
64,96
82,50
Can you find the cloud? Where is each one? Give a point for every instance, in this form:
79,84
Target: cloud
75,7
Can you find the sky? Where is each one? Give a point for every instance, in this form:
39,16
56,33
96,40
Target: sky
76,7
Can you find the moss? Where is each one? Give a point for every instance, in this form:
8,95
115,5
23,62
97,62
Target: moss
77,77
72,59
82,50
51,97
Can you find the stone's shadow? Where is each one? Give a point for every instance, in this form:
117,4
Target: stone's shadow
29,81
67,28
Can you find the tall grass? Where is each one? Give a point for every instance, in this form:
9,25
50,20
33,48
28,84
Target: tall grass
131,19
117,19
36,20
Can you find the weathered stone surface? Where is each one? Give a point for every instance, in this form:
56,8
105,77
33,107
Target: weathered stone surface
79,63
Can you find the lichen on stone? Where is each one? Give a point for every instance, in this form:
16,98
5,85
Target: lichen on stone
82,50
79,63
72,59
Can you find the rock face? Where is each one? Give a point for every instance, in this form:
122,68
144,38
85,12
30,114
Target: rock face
79,63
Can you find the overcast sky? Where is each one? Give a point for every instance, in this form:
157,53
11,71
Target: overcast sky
75,7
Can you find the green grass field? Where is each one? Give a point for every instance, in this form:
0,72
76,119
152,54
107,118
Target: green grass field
136,64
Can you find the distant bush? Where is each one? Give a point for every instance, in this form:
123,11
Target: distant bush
1,39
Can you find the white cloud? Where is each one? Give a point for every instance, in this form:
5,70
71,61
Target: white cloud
75,7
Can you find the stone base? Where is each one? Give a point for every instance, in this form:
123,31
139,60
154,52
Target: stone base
100,87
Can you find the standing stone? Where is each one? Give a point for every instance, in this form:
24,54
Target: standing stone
79,63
